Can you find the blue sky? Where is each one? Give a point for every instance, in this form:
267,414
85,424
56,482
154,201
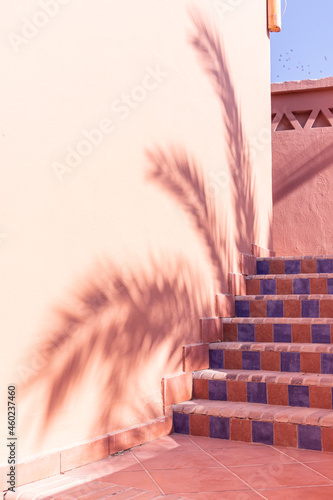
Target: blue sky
304,47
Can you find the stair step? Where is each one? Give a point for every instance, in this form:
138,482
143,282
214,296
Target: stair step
298,330
288,284
295,265
284,357
287,306
268,387
305,428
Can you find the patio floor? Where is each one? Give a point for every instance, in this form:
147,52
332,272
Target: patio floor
190,467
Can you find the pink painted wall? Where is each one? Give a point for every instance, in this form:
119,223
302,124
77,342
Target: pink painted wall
136,166
302,146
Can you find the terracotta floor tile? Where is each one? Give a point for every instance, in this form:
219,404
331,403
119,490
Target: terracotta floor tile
197,480
227,495
172,442
176,460
308,493
324,468
254,456
279,476
137,479
209,443
307,455
95,494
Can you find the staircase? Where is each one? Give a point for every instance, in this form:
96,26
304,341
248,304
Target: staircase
271,379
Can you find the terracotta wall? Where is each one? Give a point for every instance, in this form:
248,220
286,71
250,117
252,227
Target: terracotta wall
302,145
136,165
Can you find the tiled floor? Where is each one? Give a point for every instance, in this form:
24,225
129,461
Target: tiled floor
188,467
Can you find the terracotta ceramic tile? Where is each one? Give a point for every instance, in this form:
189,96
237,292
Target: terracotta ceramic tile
279,475
277,394
227,495
237,391
167,443
308,266
176,459
320,397
308,455
318,286
292,308
258,308
255,456
276,267
209,443
285,434
199,425
326,308
240,430
253,287
270,360
200,388
308,493
301,333
327,439
324,468
284,286
230,332
264,332
310,362
233,359
196,480
136,479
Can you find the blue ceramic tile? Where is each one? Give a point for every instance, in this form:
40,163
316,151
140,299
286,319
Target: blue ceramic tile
251,360
181,423
325,266
274,308
256,392
309,437
246,333
298,395
263,267
329,285
242,308
301,286
326,362
262,432
217,390
290,362
321,334
216,358
310,308
282,333
268,287
219,427
292,267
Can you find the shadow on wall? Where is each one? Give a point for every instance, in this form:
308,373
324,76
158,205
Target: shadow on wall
130,330
300,171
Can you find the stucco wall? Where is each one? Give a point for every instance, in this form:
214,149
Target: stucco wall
302,147
136,165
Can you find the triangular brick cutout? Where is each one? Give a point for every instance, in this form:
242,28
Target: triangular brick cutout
273,116
302,117
331,110
321,121
285,124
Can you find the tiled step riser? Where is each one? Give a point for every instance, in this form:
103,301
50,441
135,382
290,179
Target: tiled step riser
261,392
284,361
309,437
286,332
295,266
284,308
289,286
